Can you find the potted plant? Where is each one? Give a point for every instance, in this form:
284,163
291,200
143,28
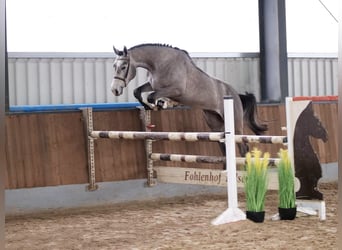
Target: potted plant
256,182
287,198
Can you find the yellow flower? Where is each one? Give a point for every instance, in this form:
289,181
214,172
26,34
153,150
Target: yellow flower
248,161
285,158
256,155
265,161
260,164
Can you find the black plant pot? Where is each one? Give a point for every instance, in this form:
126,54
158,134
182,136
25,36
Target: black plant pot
256,216
287,213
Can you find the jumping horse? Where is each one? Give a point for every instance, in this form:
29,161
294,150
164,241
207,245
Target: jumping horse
174,75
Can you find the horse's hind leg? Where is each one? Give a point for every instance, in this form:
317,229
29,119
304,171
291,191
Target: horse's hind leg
214,120
216,124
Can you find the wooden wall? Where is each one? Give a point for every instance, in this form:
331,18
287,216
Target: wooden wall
49,149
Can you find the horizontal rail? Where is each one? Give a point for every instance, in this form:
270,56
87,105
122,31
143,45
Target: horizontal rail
73,107
202,159
186,136
315,98
271,161
188,158
261,139
172,136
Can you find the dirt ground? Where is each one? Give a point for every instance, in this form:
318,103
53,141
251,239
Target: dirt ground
178,223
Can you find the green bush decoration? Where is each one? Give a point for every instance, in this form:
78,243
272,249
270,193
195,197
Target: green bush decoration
256,181
287,197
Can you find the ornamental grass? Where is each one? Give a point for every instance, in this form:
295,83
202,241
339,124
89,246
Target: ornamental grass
256,181
287,197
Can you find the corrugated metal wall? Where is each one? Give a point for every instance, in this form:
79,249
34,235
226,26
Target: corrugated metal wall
66,78
312,76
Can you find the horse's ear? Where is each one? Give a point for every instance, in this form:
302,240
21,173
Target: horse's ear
125,51
116,51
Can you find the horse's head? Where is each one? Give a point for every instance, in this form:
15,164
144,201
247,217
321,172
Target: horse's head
314,126
124,71
319,130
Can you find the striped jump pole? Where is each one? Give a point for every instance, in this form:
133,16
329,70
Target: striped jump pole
202,159
261,139
186,136
170,136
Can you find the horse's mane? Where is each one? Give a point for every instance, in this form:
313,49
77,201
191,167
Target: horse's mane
168,46
159,45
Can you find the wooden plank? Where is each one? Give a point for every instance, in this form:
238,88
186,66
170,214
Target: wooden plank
119,160
66,149
45,150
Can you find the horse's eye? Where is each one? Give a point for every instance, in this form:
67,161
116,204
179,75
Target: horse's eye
123,67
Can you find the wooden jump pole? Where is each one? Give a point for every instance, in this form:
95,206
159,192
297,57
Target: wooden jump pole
202,159
186,136
170,136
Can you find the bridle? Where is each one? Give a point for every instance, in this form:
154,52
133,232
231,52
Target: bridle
127,70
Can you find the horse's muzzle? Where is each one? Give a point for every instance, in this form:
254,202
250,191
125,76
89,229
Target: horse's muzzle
116,88
117,91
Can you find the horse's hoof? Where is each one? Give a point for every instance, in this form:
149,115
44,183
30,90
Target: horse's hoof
149,106
162,104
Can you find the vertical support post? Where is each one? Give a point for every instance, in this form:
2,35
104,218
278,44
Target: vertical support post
339,205
273,51
3,93
233,213
88,128
145,116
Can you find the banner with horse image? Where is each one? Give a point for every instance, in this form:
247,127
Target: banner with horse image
302,125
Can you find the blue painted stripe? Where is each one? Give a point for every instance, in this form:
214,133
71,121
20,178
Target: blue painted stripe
73,107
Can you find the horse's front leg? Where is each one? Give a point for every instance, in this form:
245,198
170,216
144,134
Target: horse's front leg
146,87
163,98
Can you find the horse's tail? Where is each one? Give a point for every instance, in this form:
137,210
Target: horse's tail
250,113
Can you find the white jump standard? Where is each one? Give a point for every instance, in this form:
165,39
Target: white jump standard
233,213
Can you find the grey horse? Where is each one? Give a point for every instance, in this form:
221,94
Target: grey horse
173,75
